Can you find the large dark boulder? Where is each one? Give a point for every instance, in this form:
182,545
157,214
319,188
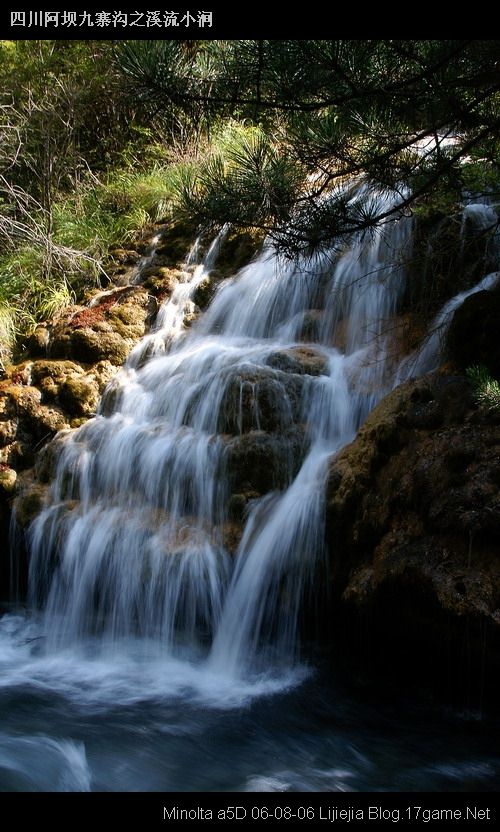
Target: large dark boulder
474,333
258,462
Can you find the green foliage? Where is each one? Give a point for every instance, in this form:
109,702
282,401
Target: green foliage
481,170
87,224
240,159
486,388
64,121
7,332
98,139
399,113
26,297
39,278
142,196
69,111
78,176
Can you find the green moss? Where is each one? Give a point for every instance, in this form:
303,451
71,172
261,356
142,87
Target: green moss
237,250
29,504
79,396
8,479
176,242
128,314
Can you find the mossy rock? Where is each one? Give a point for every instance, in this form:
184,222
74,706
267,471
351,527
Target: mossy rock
237,250
57,370
204,292
79,396
34,420
104,332
125,256
20,454
49,376
47,458
300,361
128,321
102,373
29,503
24,399
70,386
175,243
90,346
238,504
8,431
38,341
260,399
261,462
414,501
46,422
8,478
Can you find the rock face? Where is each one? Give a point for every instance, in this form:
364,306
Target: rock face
261,423
413,526
39,398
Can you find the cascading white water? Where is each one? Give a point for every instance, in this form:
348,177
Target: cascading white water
149,631
132,543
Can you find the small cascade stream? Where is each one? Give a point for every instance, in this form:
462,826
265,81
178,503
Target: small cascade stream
138,605
132,542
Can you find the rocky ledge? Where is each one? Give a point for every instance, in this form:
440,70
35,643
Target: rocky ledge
70,362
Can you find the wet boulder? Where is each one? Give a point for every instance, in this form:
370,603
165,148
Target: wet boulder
259,399
299,360
259,462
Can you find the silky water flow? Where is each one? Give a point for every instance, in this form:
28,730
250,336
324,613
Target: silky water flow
145,640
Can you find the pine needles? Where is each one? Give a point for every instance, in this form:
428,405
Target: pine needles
486,388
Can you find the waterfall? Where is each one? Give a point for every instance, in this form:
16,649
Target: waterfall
133,542
185,522
182,545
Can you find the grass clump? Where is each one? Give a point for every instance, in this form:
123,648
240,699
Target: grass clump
486,388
